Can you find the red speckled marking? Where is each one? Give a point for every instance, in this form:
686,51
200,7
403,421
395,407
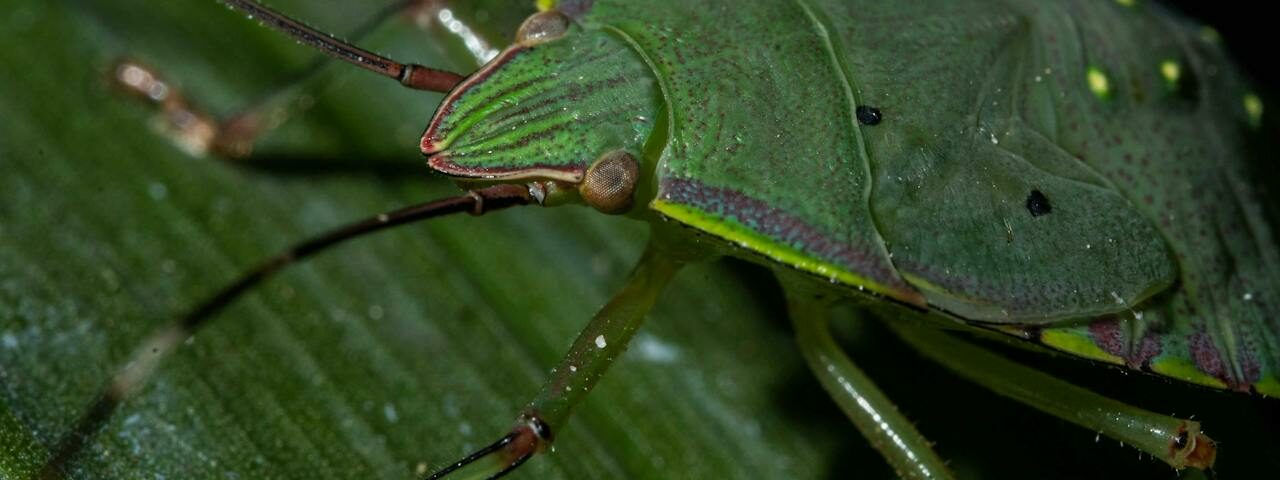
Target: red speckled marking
1207,357
788,230
1111,337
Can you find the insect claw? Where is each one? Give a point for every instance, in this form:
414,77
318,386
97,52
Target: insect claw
529,437
514,465
474,456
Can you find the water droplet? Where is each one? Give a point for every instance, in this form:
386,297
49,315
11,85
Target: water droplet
158,191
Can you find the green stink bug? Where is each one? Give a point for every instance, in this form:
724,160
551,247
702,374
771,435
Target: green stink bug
1056,210
933,194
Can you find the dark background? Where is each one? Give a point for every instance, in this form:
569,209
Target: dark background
1248,29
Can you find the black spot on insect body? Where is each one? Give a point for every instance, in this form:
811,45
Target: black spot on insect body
868,115
1038,204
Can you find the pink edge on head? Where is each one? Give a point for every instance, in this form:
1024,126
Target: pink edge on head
566,173
433,138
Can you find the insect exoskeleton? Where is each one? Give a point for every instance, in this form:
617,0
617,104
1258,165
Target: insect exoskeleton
562,110
989,178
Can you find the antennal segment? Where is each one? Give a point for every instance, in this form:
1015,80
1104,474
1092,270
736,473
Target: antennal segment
408,74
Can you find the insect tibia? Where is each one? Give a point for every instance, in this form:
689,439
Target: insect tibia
530,436
188,125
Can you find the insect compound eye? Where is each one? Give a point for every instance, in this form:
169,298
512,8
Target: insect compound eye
610,182
542,27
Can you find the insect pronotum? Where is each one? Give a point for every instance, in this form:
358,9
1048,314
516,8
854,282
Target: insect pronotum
1009,188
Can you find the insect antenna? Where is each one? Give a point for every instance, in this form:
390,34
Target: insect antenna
232,136
318,64
361,31
155,348
411,75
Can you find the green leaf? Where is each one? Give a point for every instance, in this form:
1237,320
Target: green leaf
406,350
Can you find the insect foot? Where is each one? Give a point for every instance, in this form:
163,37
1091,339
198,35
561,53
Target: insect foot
530,436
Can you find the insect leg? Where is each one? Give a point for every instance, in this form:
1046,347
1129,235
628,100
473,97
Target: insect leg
232,135
147,357
871,411
597,346
1176,441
